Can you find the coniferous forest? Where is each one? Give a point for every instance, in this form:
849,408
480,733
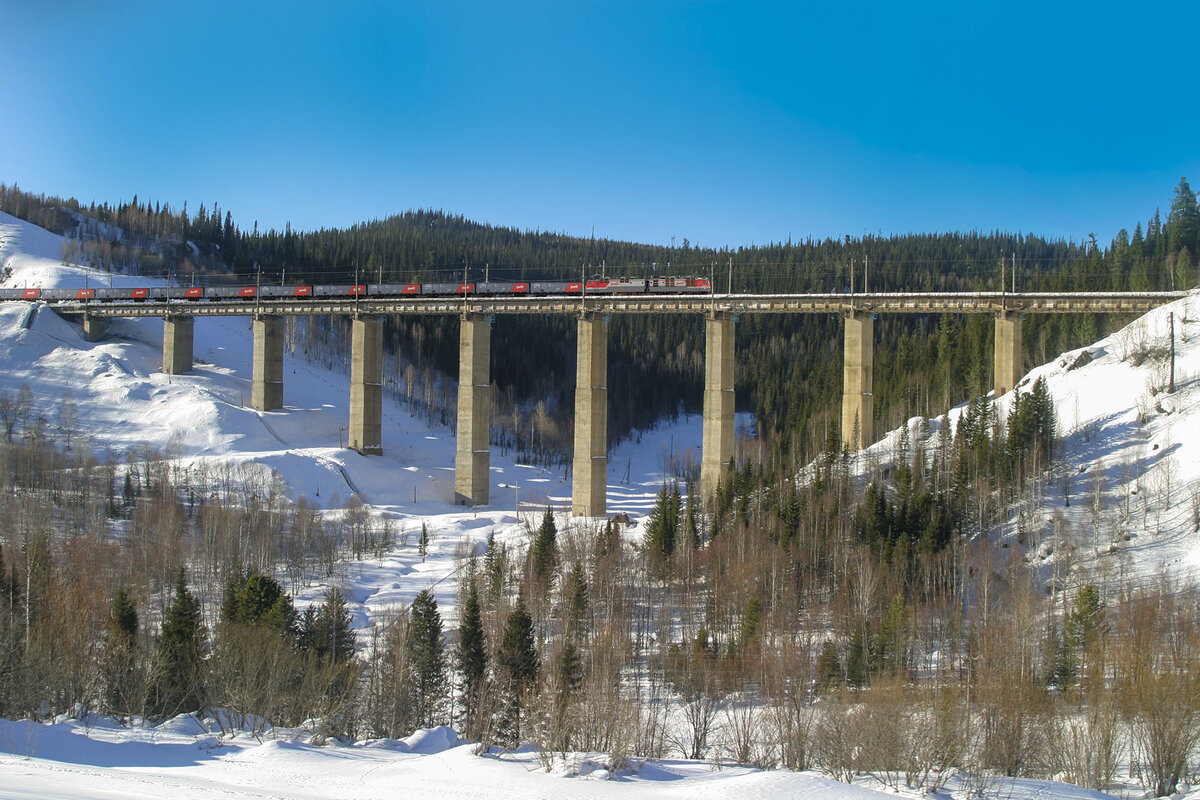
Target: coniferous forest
800,618
789,371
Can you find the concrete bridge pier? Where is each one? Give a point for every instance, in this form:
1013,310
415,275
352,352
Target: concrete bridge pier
94,328
717,448
589,482
178,337
858,401
366,384
1008,360
473,456
266,389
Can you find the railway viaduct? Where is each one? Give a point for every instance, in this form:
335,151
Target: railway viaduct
590,461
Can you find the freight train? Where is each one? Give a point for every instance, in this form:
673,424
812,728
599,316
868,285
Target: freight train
234,293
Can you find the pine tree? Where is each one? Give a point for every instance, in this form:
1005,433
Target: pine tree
426,661
423,544
177,683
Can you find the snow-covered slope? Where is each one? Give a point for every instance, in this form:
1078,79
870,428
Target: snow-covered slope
120,399
1124,502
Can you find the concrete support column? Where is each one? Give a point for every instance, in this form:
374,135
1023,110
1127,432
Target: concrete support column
94,328
266,391
589,485
178,336
1008,351
366,384
718,401
858,401
473,456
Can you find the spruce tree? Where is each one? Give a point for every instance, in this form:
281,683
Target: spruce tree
858,659
426,661
748,631
891,651
568,680
1183,221
255,598
471,658
607,541
229,595
306,629
662,527
124,616
578,602
519,664
518,654
122,686
328,630
829,665
177,683
543,556
691,525
495,570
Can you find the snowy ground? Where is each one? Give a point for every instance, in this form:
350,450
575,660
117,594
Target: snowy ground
183,758
121,400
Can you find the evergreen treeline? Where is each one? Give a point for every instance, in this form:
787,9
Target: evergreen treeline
789,366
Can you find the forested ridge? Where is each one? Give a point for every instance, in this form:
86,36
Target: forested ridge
789,367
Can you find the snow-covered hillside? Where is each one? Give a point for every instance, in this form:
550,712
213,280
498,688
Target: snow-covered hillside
119,399
1123,505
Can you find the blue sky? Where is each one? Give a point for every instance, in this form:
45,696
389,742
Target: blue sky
723,123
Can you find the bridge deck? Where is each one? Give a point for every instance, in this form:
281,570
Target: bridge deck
889,303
